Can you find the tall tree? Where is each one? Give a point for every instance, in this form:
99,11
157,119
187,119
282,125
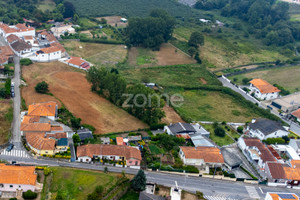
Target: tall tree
139,181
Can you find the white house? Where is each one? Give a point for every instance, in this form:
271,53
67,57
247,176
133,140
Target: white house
255,151
295,144
265,128
263,90
62,29
14,178
47,54
19,30
202,157
78,63
281,196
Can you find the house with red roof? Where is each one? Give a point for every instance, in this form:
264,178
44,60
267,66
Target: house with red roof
19,30
263,90
78,63
296,115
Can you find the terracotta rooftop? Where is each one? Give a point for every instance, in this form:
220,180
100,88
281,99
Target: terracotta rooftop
276,170
58,45
263,86
17,28
35,127
20,45
12,38
28,37
30,119
3,59
208,154
50,49
42,109
39,141
185,136
56,128
76,61
6,50
296,113
56,135
274,152
293,172
107,149
265,155
10,174
119,140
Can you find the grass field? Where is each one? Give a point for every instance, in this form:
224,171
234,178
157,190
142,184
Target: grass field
46,5
225,51
77,184
221,141
72,88
130,195
287,77
177,75
167,55
6,117
98,54
212,106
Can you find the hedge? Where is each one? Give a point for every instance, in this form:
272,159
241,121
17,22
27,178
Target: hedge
100,41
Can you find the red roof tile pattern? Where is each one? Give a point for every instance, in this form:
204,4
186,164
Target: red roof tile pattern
263,86
266,155
208,154
20,175
40,142
42,109
276,170
296,113
106,149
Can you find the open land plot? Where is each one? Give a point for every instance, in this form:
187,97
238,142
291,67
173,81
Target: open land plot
114,20
76,183
212,106
287,77
46,5
227,52
98,54
221,141
171,76
6,116
72,88
167,55
171,116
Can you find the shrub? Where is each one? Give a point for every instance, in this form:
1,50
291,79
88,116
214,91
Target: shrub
42,87
29,195
240,129
219,131
25,61
139,181
13,199
47,171
191,169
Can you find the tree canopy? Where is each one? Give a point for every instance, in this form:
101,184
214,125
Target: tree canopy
139,181
42,87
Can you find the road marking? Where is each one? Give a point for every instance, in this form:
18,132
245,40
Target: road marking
15,153
261,190
252,192
217,197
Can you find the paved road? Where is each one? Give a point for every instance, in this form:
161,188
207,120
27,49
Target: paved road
229,85
212,188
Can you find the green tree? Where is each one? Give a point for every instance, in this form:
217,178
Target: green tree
29,195
192,51
25,61
196,39
76,139
240,129
75,122
42,87
7,87
219,131
105,170
139,181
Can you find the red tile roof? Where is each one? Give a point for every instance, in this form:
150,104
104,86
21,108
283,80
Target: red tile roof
119,140
40,142
296,113
76,61
106,149
59,46
50,49
266,155
19,175
42,109
263,86
274,152
17,28
35,127
3,59
12,38
276,170
208,154
30,119
6,50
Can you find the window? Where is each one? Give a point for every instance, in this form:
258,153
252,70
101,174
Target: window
136,162
87,160
11,186
130,162
46,151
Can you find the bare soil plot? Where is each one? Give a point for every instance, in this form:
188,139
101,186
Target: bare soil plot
171,116
72,88
113,20
5,124
97,53
167,55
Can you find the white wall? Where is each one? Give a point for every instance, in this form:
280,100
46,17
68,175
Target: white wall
8,188
84,159
43,57
279,133
265,96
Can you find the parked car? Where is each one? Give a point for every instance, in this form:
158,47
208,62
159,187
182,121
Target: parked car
12,94
12,89
10,147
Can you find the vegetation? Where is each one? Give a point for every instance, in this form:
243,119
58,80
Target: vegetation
42,87
97,194
219,131
130,195
220,141
29,195
275,141
6,117
25,61
152,31
240,129
7,88
138,183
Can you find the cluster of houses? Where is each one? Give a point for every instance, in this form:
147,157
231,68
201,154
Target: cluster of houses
43,134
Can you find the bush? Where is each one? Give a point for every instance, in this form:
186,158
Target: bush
191,169
25,61
47,171
240,129
42,87
219,131
29,195
13,199
157,126
274,141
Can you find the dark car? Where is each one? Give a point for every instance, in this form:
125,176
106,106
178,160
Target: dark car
12,94
10,147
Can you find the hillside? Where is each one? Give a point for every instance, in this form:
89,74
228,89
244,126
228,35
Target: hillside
130,8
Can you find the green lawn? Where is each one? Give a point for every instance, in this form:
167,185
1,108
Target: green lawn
191,75
46,5
145,56
77,184
212,106
130,195
221,141
287,77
